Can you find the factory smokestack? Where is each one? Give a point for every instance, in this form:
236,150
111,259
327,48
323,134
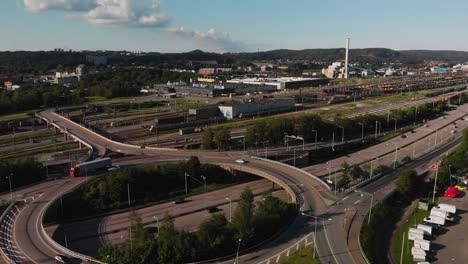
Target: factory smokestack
346,59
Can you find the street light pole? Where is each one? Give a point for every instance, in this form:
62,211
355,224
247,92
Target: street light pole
333,141
157,223
315,228
315,138
128,194
450,174
362,130
186,188
204,182
371,203
11,189
237,254
342,134
230,208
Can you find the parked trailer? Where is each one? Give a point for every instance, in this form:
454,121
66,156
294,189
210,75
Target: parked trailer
441,213
419,258
418,251
439,221
415,234
426,229
90,166
447,207
422,244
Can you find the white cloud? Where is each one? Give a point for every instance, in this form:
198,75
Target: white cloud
35,6
133,13
221,39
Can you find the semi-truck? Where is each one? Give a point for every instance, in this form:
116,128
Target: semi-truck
439,221
426,229
415,234
90,167
441,213
447,207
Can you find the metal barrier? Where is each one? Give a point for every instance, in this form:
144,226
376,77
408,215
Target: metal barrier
2,217
53,242
297,169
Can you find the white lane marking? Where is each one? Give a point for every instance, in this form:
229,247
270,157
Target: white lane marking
329,245
345,198
278,258
356,202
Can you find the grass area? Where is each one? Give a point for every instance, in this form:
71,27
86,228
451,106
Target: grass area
303,256
417,217
17,116
26,138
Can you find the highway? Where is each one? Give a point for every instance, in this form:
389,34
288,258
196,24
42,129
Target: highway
312,195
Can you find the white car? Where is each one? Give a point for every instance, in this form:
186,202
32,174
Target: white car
453,131
241,161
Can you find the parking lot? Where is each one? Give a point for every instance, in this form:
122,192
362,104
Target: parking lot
450,243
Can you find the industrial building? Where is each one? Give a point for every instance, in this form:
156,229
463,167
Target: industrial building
282,83
265,106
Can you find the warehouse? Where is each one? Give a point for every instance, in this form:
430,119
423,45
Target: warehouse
265,106
282,83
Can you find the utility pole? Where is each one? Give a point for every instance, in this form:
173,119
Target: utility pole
315,138
128,194
186,187
230,208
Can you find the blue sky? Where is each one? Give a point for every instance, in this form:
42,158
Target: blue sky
232,25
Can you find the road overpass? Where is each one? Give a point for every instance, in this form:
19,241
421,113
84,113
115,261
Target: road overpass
312,195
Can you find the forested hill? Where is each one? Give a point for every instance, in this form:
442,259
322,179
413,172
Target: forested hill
41,61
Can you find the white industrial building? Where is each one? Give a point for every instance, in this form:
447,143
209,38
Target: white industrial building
257,107
281,83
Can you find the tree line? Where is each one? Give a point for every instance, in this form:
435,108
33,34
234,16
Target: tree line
20,172
272,130
216,237
146,184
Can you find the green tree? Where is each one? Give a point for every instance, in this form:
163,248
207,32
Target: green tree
214,236
242,219
167,240
222,137
207,141
406,182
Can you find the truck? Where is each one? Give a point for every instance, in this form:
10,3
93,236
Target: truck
441,213
435,220
90,167
422,244
447,207
415,234
426,229
417,252
186,131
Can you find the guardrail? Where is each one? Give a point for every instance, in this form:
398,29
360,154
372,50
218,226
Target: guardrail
53,242
297,169
2,217
259,173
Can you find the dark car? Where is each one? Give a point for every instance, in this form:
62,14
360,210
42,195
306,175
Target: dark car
403,136
213,209
179,201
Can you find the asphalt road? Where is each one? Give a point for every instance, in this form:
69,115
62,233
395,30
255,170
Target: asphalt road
313,197
426,138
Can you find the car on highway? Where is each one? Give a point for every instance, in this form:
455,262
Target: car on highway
61,259
179,201
403,136
453,131
241,161
213,209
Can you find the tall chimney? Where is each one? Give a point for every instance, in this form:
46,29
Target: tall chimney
346,59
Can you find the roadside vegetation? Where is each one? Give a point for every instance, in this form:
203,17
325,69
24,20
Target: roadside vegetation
376,236
21,172
216,237
456,163
271,130
303,256
417,216
146,185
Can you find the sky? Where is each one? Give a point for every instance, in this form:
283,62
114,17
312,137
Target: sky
232,25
